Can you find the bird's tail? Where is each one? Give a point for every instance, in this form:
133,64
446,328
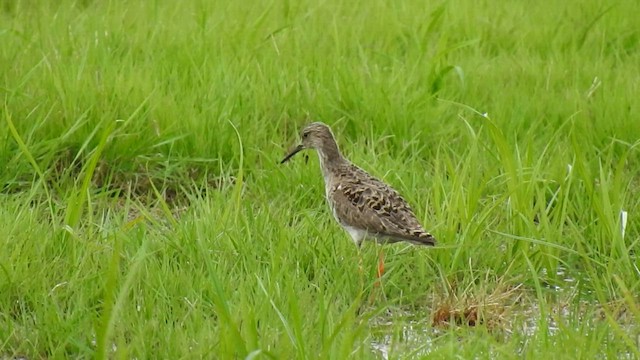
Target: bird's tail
424,239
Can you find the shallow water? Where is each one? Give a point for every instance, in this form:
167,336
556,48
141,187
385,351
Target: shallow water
414,335
403,333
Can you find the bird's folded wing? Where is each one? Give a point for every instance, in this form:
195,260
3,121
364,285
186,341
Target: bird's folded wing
378,209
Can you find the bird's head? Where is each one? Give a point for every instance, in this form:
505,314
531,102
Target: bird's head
314,136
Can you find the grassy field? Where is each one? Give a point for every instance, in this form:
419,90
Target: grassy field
144,214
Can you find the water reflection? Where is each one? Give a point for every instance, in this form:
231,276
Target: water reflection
403,333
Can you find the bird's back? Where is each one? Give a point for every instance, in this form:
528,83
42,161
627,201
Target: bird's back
361,201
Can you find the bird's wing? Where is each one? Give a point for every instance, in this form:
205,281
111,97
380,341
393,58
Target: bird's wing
378,209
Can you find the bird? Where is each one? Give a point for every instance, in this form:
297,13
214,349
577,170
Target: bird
366,207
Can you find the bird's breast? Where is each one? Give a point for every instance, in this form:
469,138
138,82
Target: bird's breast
329,189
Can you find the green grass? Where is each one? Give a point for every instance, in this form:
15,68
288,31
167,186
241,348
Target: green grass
144,214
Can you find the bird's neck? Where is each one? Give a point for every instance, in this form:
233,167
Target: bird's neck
330,157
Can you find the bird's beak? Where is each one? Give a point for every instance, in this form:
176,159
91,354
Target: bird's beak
294,151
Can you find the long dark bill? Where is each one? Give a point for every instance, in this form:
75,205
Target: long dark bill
293,152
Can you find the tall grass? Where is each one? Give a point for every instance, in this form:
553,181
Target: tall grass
144,213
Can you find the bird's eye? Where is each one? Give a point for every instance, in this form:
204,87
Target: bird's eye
305,135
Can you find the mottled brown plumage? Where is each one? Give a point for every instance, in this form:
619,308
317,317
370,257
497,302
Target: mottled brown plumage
366,207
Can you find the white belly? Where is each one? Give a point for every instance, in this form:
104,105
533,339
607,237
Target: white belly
356,234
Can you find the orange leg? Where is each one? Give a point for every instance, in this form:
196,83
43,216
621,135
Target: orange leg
377,285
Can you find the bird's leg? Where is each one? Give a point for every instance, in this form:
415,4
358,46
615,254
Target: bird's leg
380,264
380,269
379,272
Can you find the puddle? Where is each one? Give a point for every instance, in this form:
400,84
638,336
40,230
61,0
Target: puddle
402,332
516,312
